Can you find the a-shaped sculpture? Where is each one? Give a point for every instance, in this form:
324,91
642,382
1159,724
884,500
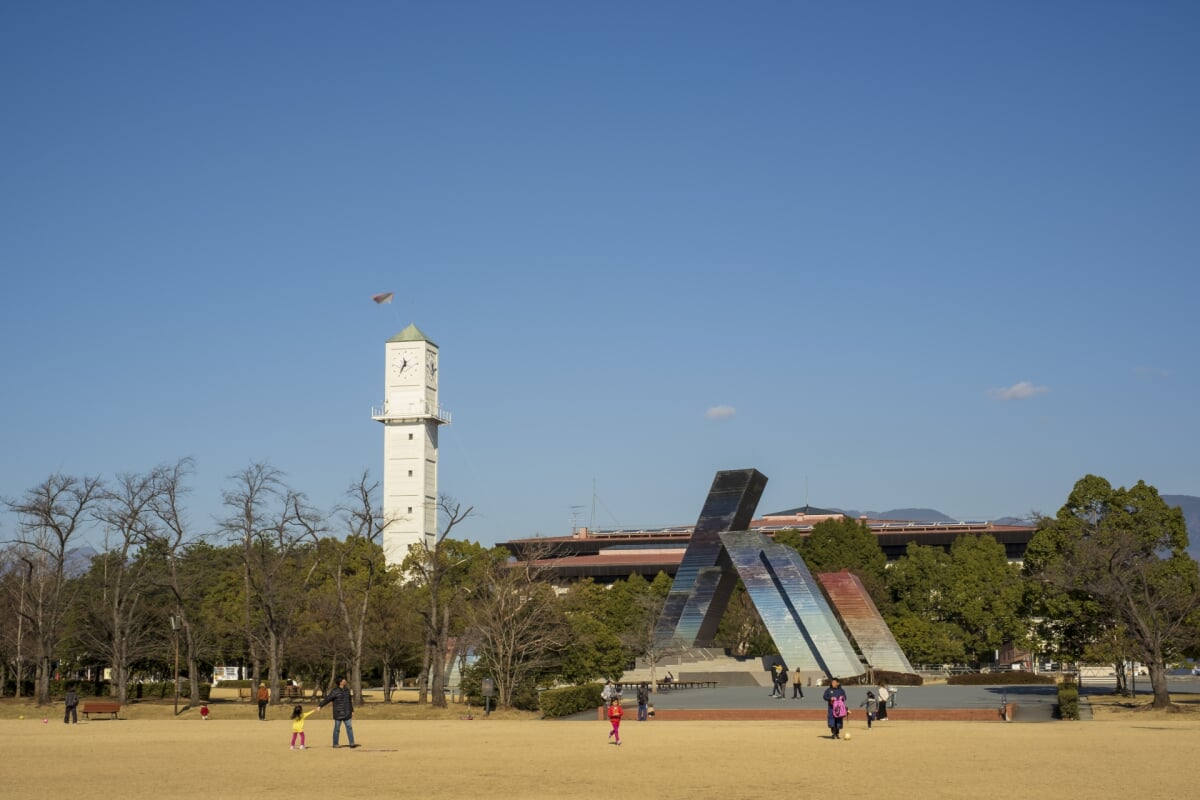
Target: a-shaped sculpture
803,625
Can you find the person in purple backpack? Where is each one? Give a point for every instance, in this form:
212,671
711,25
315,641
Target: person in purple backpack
835,700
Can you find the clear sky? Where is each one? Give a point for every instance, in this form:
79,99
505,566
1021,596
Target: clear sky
934,254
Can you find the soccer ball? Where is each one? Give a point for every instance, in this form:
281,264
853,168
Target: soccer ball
45,720
846,736
22,716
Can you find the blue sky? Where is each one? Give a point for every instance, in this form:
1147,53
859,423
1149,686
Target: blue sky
930,254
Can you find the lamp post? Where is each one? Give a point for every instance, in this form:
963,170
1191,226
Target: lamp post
175,636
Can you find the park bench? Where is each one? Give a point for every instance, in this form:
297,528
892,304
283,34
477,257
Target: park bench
100,707
677,684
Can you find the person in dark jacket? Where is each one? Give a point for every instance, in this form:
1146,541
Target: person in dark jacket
343,711
70,715
832,718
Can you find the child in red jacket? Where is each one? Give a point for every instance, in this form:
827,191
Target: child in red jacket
614,716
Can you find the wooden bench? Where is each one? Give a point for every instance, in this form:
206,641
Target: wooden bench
686,685
100,707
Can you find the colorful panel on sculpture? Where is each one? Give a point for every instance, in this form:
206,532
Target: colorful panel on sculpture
861,617
791,606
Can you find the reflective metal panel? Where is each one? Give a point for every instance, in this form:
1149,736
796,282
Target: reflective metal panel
791,605
864,622
705,579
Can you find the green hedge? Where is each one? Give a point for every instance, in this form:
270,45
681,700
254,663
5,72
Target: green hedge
1068,700
570,700
1008,677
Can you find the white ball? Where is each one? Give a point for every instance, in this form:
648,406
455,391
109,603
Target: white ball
846,736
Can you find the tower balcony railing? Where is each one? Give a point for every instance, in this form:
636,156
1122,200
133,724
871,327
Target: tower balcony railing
415,410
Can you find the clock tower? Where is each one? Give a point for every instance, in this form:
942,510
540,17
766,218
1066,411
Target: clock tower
411,417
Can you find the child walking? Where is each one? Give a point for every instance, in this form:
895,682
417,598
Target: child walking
614,716
872,706
298,717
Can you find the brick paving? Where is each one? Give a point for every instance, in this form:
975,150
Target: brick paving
818,715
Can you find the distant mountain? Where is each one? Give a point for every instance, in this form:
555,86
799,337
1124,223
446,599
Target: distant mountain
902,514
1012,521
1190,505
898,514
912,515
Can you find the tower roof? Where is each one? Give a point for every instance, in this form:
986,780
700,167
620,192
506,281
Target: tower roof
411,334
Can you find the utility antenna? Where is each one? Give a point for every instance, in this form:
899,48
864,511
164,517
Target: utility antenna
805,492
575,519
592,519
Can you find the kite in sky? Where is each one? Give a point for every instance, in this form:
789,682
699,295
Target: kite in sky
380,299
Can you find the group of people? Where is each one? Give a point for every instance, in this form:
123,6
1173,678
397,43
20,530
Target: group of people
837,709
611,694
340,698
779,681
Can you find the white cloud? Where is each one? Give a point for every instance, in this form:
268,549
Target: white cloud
1018,391
721,412
1151,372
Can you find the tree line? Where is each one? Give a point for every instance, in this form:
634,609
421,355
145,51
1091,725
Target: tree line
291,591
288,591
1107,579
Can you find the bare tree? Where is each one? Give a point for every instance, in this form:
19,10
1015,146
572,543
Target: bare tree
173,540
517,624
255,487
118,620
356,566
274,528
12,624
50,516
435,570
642,636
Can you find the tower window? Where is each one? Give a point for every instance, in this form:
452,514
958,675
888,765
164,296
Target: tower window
410,509
410,437
410,473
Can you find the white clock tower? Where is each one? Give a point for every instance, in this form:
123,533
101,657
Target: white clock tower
411,417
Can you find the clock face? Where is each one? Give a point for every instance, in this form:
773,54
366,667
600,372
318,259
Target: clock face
431,366
405,365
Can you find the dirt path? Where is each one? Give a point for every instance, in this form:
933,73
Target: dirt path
1137,756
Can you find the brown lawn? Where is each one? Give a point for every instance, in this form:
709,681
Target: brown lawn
149,755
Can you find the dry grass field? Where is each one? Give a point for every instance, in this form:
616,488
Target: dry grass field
148,754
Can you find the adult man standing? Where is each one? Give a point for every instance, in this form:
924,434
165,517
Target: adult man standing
72,700
643,698
343,711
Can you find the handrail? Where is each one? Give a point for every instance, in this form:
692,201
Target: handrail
414,410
